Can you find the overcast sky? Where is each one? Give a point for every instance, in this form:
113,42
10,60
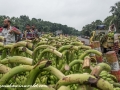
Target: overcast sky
74,13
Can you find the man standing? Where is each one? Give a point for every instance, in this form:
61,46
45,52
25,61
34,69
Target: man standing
29,33
1,28
39,33
112,29
35,30
9,32
18,37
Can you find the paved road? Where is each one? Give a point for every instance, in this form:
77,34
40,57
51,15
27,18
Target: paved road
86,40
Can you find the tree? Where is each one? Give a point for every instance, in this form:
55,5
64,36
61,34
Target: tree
107,21
45,26
115,10
86,30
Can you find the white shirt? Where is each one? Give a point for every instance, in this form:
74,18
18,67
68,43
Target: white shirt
111,30
10,37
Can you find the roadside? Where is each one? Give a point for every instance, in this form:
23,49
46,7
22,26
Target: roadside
83,39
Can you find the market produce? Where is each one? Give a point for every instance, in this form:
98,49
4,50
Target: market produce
111,34
54,63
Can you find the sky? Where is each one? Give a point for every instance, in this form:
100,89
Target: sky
73,13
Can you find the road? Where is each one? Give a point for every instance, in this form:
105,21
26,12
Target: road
86,40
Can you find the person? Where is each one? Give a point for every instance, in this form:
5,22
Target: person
9,32
34,30
1,28
39,33
18,37
29,33
112,28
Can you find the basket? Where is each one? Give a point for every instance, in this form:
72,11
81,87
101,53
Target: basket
96,44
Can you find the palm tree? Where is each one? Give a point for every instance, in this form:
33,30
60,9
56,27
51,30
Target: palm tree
108,21
115,10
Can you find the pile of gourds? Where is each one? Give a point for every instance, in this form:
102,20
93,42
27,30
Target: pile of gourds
53,63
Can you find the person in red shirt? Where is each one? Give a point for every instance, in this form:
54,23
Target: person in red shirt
1,28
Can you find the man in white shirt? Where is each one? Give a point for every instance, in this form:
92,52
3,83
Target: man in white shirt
9,32
112,29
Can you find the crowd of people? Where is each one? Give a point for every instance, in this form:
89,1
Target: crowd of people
12,34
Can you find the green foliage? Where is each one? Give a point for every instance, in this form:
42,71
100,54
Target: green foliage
107,21
43,26
113,19
115,10
86,30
